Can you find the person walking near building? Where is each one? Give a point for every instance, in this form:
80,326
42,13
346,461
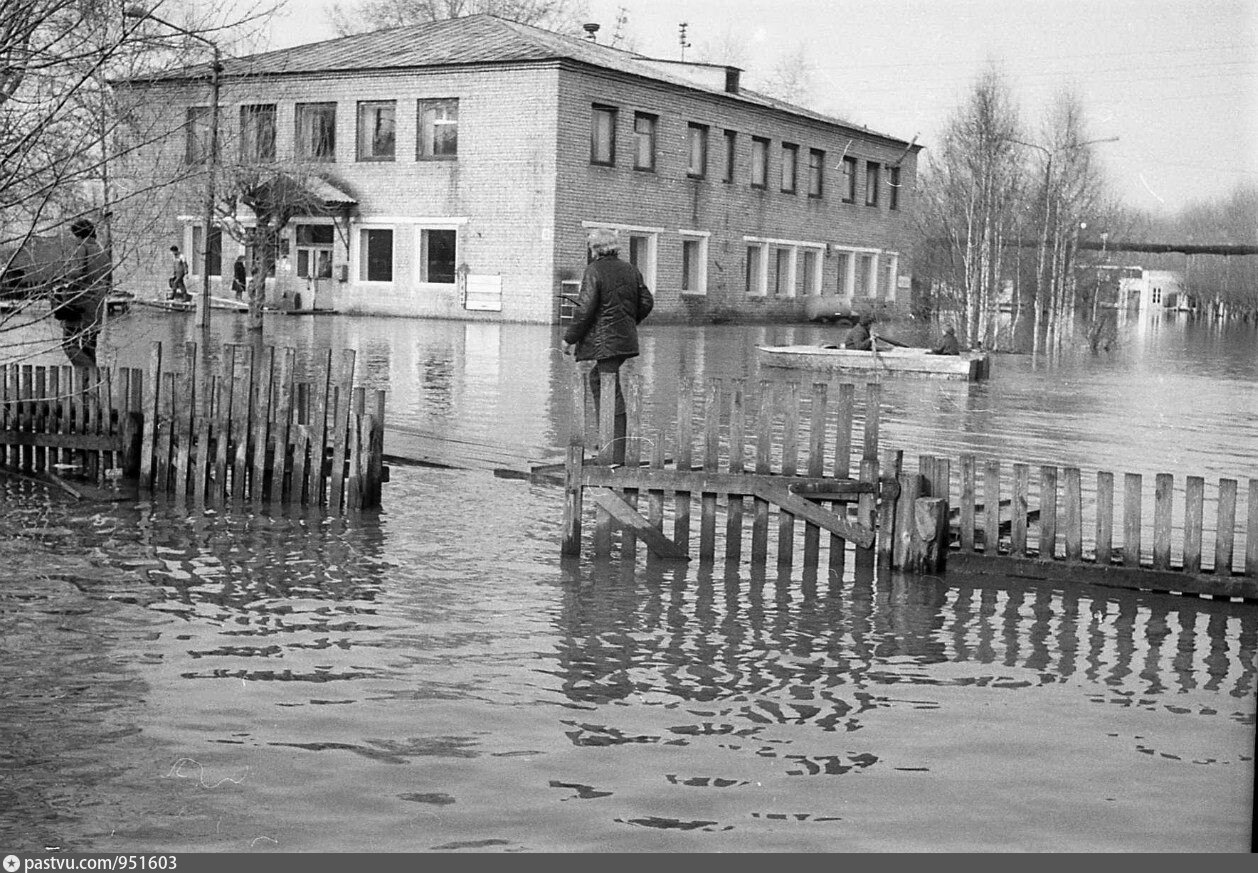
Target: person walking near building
239,277
79,299
613,300
179,272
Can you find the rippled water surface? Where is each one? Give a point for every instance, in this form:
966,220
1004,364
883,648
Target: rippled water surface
435,678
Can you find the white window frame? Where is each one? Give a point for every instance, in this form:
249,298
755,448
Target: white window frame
426,148
701,237
358,265
891,266
819,255
435,222
795,246
854,254
319,220
652,247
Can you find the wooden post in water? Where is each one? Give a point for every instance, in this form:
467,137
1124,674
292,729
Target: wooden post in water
764,455
573,462
711,457
1251,532
790,458
1019,506
1225,533
1072,512
1048,513
1163,494
815,466
991,507
737,447
1131,520
684,463
1104,519
891,522
631,388
606,450
965,519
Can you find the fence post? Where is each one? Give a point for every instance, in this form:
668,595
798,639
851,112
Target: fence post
572,471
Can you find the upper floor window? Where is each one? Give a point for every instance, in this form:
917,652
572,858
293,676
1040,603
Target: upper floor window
697,163
196,148
731,143
816,172
644,126
759,162
316,131
603,135
790,167
893,187
849,180
871,183
438,128
257,133
376,130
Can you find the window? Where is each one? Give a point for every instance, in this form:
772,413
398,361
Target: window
783,278
196,148
697,165
438,256
644,141
196,264
759,162
755,270
694,263
890,264
731,144
603,135
810,276
376,130
866,277
316,131
314,251
816,172
871,184
257,133
790,166
843,263
438,129
893,187
639,246
849,180
375,255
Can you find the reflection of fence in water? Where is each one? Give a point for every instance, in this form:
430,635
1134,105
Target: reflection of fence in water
706,638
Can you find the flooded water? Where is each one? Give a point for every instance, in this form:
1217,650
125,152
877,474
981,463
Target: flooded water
435,678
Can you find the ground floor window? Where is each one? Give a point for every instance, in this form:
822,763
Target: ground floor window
843,264
890,266
810,275
638,245
694,264
375,255
314,251
866,277
755,270
783,268
438,256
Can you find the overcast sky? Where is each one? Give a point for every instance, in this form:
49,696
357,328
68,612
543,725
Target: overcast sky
1175,80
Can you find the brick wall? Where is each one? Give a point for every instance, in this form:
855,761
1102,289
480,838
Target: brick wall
668,199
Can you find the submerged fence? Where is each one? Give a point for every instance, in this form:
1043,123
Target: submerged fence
805,465
248,432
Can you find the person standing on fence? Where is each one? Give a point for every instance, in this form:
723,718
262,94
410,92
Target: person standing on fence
612,302
179,272
79,298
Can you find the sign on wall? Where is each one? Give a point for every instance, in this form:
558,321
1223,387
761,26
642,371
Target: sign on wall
483,293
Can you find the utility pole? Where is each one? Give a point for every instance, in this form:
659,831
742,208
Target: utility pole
682,38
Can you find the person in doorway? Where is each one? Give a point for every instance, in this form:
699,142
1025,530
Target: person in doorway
179,272
239,277
79,299
859,337
948,344
613,300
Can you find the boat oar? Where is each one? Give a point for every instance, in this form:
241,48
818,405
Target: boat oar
894,342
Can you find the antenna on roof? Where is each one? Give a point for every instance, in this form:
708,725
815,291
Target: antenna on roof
590,30
682,38
618,35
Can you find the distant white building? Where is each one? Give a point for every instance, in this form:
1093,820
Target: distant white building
1152,292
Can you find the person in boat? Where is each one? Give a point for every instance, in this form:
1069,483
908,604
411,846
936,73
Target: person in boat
859,337
613,300
948,344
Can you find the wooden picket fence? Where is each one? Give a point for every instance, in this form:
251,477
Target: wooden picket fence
249,432
813,471
748,465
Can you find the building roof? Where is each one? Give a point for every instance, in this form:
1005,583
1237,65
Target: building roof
475,39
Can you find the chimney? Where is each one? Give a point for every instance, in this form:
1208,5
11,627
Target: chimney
731,80
590,30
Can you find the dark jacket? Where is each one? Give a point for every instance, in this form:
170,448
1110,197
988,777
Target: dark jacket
81,297
858,338
947,346
613,300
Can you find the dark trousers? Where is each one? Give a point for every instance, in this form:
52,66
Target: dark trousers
611,365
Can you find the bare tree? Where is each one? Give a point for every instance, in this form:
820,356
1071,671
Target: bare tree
360,16
790,79
969,191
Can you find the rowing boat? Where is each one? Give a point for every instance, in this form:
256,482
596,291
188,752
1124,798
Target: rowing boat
908,362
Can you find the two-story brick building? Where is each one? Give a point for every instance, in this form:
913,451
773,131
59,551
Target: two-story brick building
463,161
